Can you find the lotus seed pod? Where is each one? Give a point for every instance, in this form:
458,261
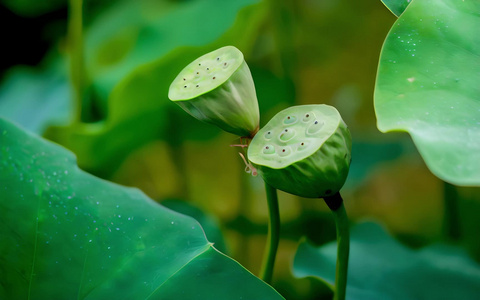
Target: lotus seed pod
303,150
218,88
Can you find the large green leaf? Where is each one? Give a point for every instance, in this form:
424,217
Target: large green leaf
209,224
66,234
428,85
396,6
381,268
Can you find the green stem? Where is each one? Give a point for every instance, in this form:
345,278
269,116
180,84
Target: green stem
335,203
75,45
266,271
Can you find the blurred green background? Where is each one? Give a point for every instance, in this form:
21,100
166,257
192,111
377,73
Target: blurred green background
123,128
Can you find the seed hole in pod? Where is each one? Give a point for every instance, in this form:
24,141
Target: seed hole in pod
302,146
268,135
315,127
185,86
184,79
208,69
225,65
218,58
199,64
268,149
285,151
287,134
198,73
308,117
214,77
197,85
290,120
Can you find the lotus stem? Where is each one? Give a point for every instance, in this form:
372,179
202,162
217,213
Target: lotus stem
335,203
268,263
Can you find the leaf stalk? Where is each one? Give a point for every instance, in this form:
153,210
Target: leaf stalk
266,271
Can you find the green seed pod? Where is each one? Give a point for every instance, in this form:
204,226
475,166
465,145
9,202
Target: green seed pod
303,150
218,88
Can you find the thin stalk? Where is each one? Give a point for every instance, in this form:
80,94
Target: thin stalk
75,46
266,272
335,203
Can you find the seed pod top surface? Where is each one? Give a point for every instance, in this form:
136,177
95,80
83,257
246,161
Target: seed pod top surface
218,88
205,73
304,150
293,134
